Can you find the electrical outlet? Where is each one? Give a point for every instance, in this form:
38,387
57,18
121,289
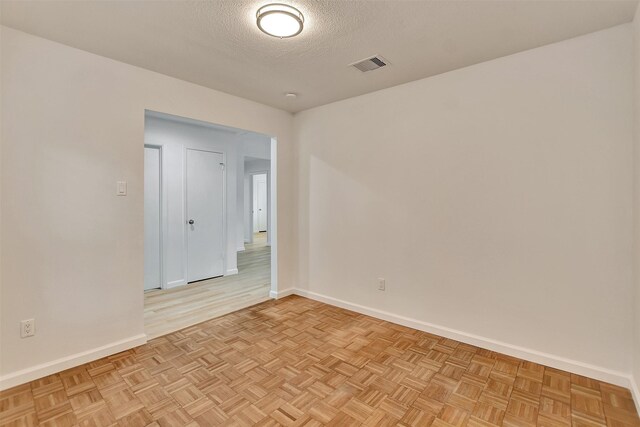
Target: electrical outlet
27,328
382,285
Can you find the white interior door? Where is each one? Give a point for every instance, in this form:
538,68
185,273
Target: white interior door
205,218
152,253
260,202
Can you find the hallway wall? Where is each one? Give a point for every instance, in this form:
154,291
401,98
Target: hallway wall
175,136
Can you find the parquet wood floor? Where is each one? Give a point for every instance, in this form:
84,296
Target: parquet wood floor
299,362
169,310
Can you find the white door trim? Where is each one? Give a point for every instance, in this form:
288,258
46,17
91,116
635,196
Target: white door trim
272,224
163,212
185,246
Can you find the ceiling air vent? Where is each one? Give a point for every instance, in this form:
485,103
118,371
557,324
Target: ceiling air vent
370,64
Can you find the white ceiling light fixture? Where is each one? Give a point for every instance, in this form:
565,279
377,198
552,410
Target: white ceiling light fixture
280,20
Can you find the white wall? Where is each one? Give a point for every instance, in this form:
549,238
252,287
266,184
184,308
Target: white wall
636,340
72,251
496,200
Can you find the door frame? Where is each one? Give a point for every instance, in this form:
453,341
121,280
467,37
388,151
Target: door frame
269,203
272,228
185,202
273,187
163,212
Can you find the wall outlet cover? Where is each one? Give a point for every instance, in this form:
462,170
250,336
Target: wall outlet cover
27,328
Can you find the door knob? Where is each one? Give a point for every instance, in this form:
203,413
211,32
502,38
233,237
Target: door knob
191,222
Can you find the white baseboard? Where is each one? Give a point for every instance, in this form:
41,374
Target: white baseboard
231,272
282,294
175,284
44,369
558,362
596,372
635,392
240,248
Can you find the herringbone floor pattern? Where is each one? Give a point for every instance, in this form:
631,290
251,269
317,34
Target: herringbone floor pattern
299,362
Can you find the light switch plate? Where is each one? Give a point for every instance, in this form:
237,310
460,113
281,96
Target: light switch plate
122,188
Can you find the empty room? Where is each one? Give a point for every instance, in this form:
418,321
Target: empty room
320,212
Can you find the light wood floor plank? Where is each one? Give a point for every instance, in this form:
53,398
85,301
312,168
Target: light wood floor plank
169,310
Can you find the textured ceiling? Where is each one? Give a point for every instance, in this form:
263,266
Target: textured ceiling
217,44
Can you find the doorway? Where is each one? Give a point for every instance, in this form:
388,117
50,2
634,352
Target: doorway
259,208
152,217
199,263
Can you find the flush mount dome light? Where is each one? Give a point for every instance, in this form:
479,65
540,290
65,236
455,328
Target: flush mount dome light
280,20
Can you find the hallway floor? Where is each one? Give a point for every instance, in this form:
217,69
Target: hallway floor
169,310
